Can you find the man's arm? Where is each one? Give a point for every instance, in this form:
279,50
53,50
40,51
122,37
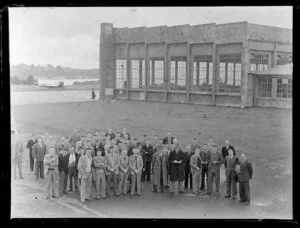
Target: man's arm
47,160
250,169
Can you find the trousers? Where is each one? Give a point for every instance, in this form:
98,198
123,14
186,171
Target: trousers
213,176
100,182
39,169
146,174
244,189
231,184
17,163
52,184
112,177
122,185
196,181
63,180
86,185
73,174
173,186
204,172
31,160
135,183
188,176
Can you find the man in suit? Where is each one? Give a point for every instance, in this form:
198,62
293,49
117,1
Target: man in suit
63,144
29,146
85,172
100,164
159,168
245,173
17,154
148,152
169,139
136,166
176,161
215,163
188,175
123,172
124,132
72,159
110,133
51,170
231,175
195,163
205,155
74,138
39,151
63,169
194,146
112,172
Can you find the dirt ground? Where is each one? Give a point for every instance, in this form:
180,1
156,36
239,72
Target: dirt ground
264,134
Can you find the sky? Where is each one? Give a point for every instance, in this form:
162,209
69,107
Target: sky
70,36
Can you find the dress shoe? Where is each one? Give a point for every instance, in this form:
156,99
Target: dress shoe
208,193
139,194
233,197
154,190
181,192
21,177
88,199
247,203
166,186
228,196
97,197
241,201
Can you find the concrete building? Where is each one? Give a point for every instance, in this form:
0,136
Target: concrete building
205,64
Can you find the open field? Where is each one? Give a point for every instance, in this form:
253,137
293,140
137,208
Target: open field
265,135
28,88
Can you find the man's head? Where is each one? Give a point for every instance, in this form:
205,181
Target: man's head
106,147
82,151
124,130
230,152
88,153
135,151
188,148
176,143
126,136
108,137
243,158
195,141
214,148
72,150
204,146
99,152
147,141
52,151
197,151
124,152
109,130
118,135
169,134
227,143
160,142
40,139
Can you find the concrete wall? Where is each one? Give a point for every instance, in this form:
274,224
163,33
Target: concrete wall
155,96
231,33
228,100
274,103
203,99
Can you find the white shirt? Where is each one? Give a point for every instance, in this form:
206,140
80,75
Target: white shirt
72,158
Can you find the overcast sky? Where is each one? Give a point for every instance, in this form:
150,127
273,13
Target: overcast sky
70,36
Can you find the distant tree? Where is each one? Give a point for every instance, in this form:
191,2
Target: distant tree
30,80
15,80
61,84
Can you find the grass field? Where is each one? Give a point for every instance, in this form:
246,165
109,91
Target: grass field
265,135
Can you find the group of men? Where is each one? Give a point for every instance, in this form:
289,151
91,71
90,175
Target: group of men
114,161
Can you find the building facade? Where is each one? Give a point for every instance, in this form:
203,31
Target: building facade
205,64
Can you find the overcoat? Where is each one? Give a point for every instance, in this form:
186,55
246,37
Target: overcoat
176,169
160,167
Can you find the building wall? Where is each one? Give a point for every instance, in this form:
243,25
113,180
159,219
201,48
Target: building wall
185,40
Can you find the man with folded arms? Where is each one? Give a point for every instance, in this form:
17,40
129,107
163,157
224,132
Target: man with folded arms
51,170
100,163
195,164
123,175
231,175
214,169
85,172
136,166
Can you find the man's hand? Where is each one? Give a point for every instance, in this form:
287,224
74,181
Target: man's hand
144,169
35,160
197,168
175,161
179,162
136,171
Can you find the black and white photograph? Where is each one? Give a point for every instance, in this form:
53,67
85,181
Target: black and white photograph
151,112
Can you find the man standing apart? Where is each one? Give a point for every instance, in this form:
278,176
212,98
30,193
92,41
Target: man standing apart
136,166
231,175
39,151
100,165
245,173
51,170
123,169
195,164
176,161
214,169
85,170
17,154
29,146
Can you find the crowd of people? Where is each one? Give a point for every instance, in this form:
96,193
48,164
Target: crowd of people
116,163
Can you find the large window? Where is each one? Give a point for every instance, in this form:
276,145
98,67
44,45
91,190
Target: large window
284,58
156,73
259,62
137,74
264,87
202,73
284,88
178,67
230,70
121,73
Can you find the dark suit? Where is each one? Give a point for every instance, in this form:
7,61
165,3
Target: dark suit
63,173
205,157
112,135
122,135
168,140
188,174
225,153
29,146
73,172
245,174
231,175
148,152
100,147
38,153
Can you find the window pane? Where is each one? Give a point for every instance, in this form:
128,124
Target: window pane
156,74
253,67
230,74
238,72
210,73
202,73
195,73
135,73
121,73
222,72
172,72
181,73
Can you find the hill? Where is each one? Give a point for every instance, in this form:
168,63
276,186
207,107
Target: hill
22,71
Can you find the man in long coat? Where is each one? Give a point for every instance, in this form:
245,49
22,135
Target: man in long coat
159,167
39,151
176,162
